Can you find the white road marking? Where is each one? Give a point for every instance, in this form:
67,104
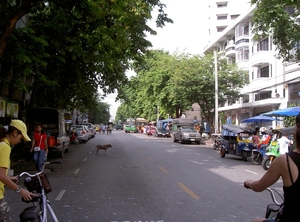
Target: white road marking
84,159
76,171
59,196
251,171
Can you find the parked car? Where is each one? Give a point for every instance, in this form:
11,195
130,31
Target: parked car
91,128
82,134
184,131
88,131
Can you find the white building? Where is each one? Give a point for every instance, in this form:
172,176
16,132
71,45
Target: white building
222,13
273,84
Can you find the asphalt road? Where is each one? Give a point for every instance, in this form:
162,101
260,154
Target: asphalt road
150,179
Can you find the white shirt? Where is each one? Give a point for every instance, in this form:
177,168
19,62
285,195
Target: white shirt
284,145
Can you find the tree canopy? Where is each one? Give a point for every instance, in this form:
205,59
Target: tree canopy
175,82
74,48
280,19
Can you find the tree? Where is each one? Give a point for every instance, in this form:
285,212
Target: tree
150,91
73,48
195,81
175,82
280,19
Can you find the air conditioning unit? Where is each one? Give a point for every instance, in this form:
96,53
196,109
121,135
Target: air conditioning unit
276,95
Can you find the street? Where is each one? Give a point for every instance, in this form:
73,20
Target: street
144,178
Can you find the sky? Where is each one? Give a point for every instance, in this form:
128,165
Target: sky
187,33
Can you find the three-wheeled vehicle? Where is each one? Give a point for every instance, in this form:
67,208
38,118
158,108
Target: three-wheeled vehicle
236,141
163,128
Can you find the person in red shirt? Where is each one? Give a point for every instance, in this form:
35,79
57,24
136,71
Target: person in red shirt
39,147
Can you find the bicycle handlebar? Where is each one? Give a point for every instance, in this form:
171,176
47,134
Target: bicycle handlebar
272,193
38,173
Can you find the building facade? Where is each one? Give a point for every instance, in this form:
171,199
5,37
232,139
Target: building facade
273,84
221,14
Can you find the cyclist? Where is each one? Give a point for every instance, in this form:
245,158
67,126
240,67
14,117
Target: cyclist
286,166
9,136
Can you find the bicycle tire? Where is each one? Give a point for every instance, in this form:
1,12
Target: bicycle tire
51,216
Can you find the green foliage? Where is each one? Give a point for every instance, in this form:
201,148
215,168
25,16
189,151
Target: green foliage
271,17
289,121
174,82
73,48
99,113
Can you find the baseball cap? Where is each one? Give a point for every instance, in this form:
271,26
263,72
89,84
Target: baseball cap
20,125
298,118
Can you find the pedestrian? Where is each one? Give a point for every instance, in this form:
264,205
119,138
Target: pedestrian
9,136
284,143
287,167
39,147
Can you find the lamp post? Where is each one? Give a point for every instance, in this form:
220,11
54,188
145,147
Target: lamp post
216,93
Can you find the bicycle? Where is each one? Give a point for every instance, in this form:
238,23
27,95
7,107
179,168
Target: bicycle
274,210
38,183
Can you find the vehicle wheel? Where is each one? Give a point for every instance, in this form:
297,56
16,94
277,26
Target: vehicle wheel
244,156
67,150
85,141
181,140
215,146
256,158
198,142
174,140
222,152
61,153
266,163
76,141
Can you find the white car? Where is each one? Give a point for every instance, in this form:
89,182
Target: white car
82,133
91,128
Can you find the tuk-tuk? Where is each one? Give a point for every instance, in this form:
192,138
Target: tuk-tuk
236,141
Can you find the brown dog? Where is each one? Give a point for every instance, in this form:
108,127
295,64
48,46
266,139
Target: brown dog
103,147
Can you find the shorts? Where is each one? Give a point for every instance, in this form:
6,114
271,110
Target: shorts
4,211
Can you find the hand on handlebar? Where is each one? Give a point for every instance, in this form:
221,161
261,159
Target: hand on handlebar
26,195
247,184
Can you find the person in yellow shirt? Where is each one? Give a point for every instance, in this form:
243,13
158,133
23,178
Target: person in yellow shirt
9,136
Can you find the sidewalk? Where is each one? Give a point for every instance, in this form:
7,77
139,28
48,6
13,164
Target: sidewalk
207,142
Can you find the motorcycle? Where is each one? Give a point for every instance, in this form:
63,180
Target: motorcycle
217,141
271,154
258,154
73,137
259,151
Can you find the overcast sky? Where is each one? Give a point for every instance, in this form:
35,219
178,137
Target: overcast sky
187,33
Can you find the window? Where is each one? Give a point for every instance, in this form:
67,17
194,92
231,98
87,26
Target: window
290,9
221,17
263,95
233,17
263,45
243,53
242,29
220,29
222,5
263,72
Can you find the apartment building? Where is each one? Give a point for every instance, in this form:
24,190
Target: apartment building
273,84
222,13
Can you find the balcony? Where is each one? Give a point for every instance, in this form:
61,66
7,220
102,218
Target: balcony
229,52
261,57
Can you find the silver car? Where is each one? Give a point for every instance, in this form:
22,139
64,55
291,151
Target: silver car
91,128
82,133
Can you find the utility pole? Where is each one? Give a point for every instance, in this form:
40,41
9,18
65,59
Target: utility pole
216,93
